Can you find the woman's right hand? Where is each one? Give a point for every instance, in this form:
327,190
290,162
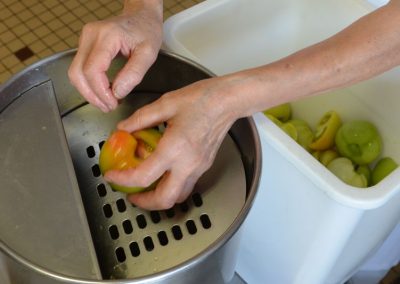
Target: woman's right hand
136,33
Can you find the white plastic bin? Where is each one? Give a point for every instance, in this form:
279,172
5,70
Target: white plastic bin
306,226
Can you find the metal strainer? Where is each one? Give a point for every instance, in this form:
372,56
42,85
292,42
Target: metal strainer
61,223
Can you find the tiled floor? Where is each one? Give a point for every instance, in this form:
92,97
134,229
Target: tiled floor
33,29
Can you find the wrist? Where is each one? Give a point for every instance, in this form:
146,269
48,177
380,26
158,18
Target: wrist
133,6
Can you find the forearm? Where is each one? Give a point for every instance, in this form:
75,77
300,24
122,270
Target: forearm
366,48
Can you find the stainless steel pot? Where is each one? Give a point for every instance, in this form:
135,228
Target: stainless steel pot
61,223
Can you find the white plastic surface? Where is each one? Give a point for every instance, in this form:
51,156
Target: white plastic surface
306,226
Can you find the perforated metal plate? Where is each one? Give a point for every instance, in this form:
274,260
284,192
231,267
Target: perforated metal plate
131,242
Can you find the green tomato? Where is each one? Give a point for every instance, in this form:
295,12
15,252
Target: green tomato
327,156
282,112
290,130
326,131
274,120
304,133
365,171
359,141
382,169
316,154
343,168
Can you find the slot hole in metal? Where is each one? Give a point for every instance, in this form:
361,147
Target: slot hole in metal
107,210
177,232
101,144
191,227
184,207
127,225
141,221
205,221
96,170
148,243
120,254
121,205
162,238
155,217
134,248
90,152
101,190
113,230
197,200
170,213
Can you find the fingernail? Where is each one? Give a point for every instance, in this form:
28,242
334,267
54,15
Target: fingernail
122,125
118,93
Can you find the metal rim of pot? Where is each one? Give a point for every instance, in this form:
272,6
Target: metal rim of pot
224,238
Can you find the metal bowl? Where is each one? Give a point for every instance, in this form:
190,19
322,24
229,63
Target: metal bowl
61,223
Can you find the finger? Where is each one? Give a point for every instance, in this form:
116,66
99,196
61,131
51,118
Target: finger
95,67
163,197
148,116
142,57
77,78
144,175
186,190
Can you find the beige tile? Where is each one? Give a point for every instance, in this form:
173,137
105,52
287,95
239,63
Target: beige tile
50,39
46,16
28,38
7,36
9,2
80,11
29,3
31,60
55,24
15,45
115,7
67,18
5,13
17,68
25,15
71,4
37,46
72,40
11,21
102,13
4,76
169,3
10,61
2,68
64,32
4,51
76,26
3,27
59,46
176,9
59,10
45,53
38,8
42,31
188,3
20,29
33,23
92,5
89,18
166,15
17,7
51,3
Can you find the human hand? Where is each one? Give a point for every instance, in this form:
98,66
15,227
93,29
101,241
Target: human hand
198,118
137,34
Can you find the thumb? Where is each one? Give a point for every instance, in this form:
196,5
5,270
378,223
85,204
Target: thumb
133,72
